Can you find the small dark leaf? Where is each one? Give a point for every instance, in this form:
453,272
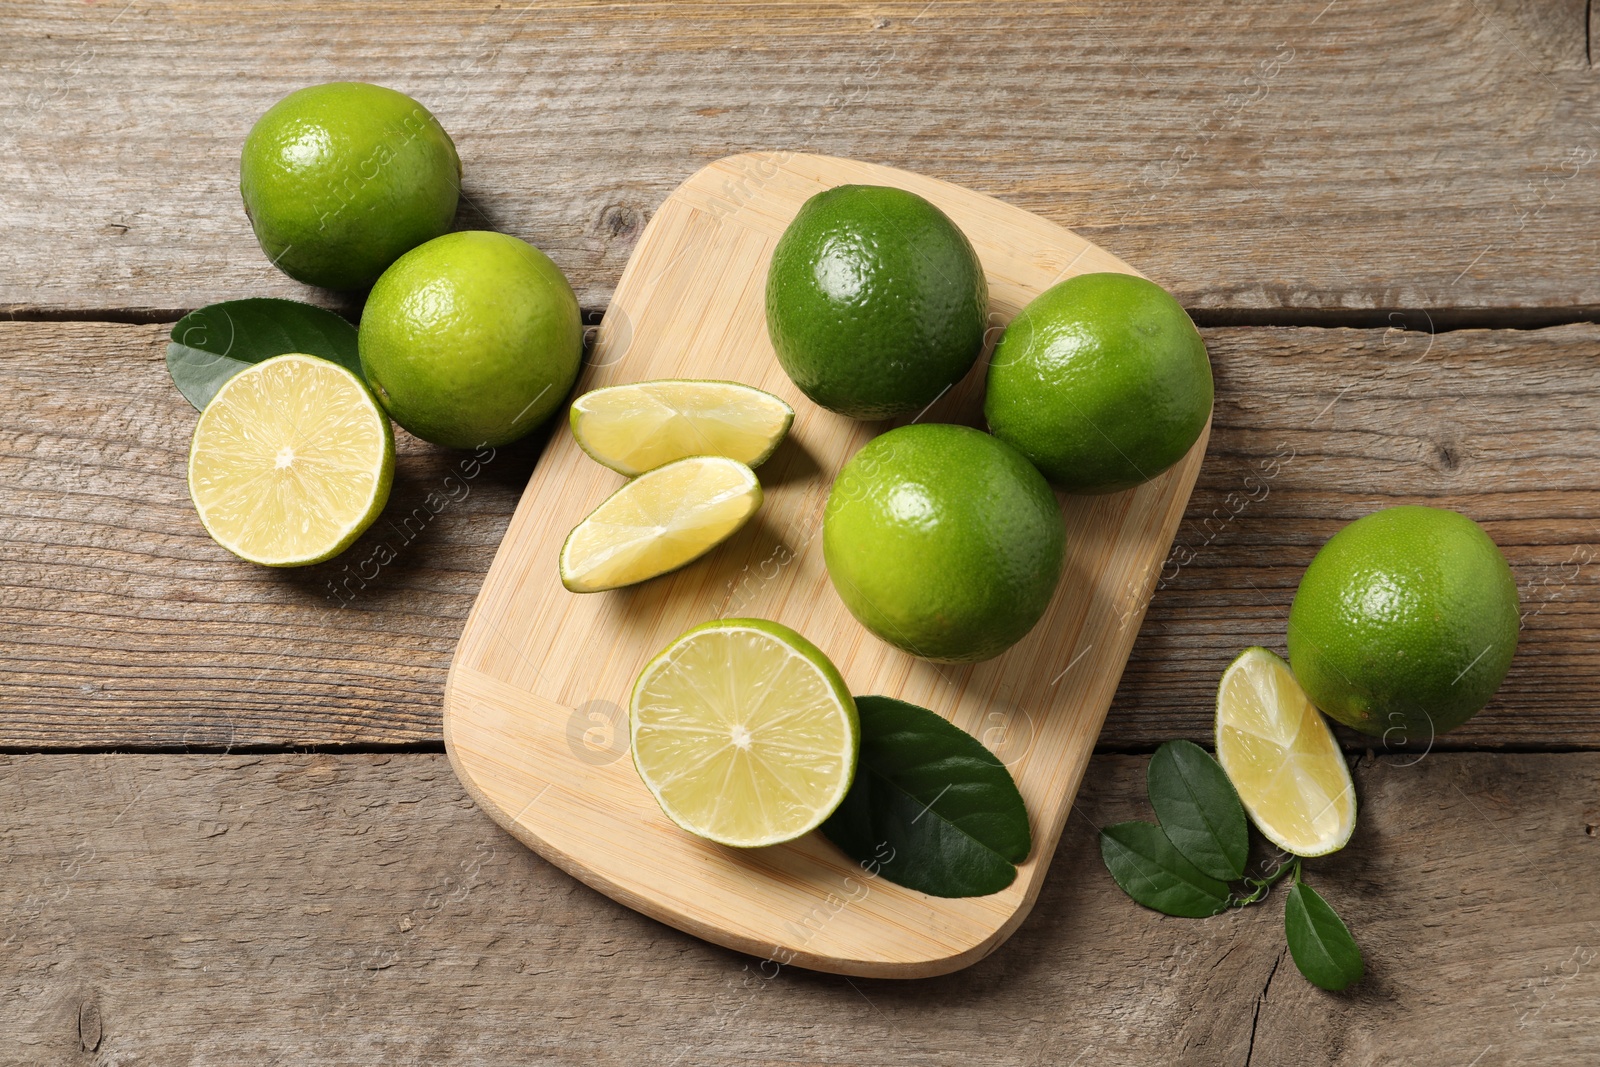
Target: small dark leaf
1199,809
1155,874
930,807
211,345
1319,941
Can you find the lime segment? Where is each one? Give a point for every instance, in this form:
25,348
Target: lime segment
658,522
1282,758
641,426
744,733
290,462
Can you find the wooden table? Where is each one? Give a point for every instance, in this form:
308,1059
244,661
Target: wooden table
228,830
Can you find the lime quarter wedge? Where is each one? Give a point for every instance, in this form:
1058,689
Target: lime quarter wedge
744,733
658,522
638,427
1280,755
291,461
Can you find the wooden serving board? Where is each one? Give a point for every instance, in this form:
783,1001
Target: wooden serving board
535,715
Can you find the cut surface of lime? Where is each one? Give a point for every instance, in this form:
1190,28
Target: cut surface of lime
290,461
1280,755
658,522
744,733
638,427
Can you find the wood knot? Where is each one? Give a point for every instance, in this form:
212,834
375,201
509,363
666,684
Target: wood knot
1446,456
619,220
88,1026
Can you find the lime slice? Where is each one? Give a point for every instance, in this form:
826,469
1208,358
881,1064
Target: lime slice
658,522
291,461
638,427
744,733
1281,757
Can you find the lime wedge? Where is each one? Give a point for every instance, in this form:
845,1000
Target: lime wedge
638,427
744,733
291,461
1282,758
658,522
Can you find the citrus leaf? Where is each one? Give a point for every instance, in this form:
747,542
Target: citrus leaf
1155,874
211,345
1199,811
1319,941
930,807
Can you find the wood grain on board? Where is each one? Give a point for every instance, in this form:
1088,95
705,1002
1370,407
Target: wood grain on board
126,625
1301,155
322,910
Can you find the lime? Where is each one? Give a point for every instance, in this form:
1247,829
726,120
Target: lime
471,340
876,301
1102,381
1281,757
744,733
291,461
1405,623
340,179
658,522
943,541
638,427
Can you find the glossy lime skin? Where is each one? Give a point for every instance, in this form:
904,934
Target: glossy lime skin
472,339
943,541
876,301
1405,623
339,180
1102,381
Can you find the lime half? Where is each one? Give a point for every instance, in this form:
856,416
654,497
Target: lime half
290,462
658,522
1282,758
640,426
744,733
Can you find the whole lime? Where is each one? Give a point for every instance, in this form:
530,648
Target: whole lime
340,179
943,541
1102,380
876,301
472,339
1405,623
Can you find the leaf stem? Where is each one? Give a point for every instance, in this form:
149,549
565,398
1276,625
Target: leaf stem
1259,887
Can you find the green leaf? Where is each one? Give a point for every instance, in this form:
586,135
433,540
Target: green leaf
1155,874
211,345
1199,809
930,807
1319,941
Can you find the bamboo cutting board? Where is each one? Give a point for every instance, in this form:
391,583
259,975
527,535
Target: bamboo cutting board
535,717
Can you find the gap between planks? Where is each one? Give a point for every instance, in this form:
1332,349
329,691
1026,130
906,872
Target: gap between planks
1416,319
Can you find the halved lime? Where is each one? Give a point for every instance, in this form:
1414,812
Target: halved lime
744,733
290,462
658,522
1282,758
638,427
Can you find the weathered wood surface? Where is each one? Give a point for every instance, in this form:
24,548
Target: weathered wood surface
1302,155
125,625
319,910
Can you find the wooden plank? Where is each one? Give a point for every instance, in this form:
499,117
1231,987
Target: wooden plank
126,626
325,910
1303,155
533,657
